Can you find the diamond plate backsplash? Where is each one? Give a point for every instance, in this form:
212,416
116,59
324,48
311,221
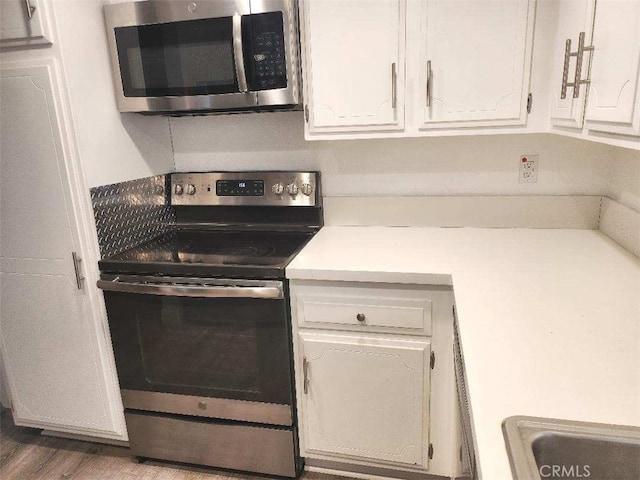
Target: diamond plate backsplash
130,213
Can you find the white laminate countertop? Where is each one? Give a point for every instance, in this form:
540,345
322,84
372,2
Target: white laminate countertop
549,319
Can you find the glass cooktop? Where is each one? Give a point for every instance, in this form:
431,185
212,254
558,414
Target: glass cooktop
204,251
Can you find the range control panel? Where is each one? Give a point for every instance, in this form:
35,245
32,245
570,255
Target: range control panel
240,188
286,189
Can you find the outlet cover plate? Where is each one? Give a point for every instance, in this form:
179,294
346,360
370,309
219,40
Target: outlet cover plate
528,168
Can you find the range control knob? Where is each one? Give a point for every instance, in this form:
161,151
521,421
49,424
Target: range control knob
307,189
292,189
177,189
190,189
278,188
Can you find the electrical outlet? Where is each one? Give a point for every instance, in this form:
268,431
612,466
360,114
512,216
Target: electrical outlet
528,169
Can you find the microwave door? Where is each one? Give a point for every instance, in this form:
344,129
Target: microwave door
192,64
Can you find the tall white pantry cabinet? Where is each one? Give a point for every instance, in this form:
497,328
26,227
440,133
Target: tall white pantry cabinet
54,339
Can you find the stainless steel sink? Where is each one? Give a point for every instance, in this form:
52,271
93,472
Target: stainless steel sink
541,448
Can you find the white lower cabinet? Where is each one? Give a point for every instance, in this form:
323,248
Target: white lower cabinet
375,380
365,397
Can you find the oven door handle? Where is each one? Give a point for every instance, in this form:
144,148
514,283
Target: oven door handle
207,291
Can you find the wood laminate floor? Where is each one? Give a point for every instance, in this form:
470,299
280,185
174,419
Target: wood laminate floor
27,455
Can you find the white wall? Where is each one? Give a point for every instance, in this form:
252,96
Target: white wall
623,177
478,165
112,147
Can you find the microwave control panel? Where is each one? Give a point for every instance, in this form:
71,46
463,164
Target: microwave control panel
268,66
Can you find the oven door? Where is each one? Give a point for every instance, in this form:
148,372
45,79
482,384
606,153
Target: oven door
212,348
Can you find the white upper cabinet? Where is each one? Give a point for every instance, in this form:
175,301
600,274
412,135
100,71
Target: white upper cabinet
390,68
475,62
23,23
614,96
354,64
575,17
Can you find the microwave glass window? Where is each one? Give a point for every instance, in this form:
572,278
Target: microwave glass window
134,61
178,58
203,65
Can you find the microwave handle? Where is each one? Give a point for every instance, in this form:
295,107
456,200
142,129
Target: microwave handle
238,53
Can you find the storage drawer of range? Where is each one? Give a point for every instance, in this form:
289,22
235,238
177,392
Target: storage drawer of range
364,309
215,443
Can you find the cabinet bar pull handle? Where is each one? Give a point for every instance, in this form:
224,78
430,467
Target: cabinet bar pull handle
577,81
578,78
30,9
394,80
76,268
305,375
429,77
565,68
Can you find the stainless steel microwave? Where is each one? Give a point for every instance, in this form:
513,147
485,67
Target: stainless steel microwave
188,57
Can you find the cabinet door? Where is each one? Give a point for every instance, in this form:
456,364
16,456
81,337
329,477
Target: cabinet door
614,99
574,16
366,397
354,64
478,53
57,373
22,23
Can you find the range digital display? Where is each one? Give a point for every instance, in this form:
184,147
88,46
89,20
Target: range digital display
240,188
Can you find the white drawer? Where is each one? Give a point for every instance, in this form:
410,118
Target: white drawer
365,309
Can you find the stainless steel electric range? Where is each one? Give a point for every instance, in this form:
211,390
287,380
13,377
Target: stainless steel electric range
200,324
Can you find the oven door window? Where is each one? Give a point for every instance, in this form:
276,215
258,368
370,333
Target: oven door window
186,58
224,348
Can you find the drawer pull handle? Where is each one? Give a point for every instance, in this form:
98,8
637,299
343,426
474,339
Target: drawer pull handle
360,317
